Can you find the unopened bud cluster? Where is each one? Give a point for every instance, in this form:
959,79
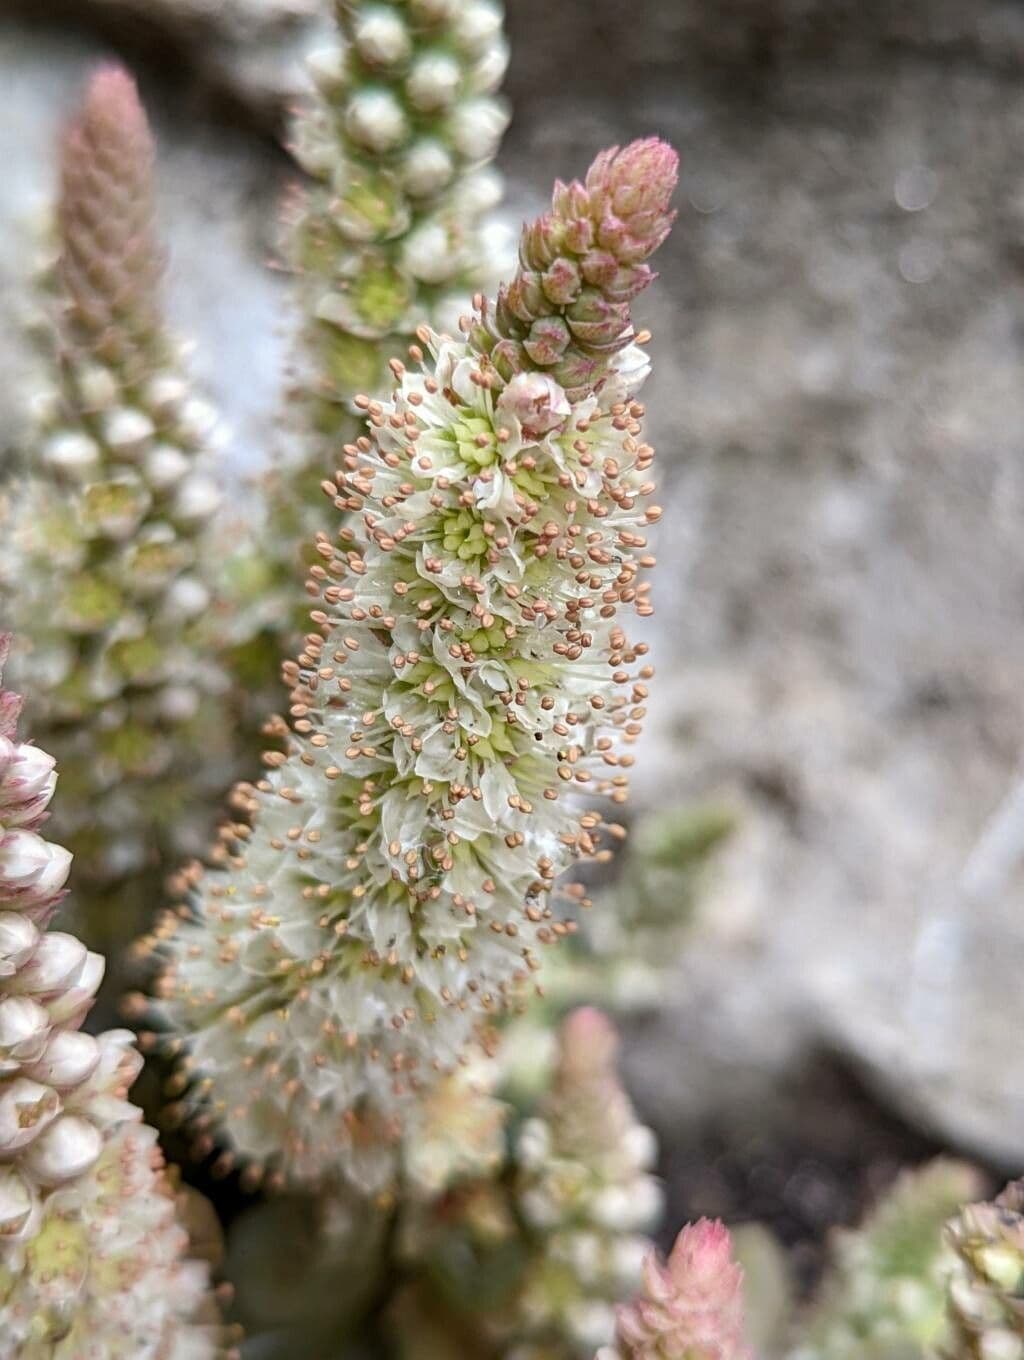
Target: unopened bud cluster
690,1308
549,1229
468,686
392,232
584,1188
102,544
91,1256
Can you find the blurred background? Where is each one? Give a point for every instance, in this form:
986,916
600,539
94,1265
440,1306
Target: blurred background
839,415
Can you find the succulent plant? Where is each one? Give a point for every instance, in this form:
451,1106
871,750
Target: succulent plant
884,1296
91,1254
468,681
391,231
690,1308
986,1291
103,540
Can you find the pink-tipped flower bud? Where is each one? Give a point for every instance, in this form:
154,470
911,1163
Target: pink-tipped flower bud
567,309
27,781
536,402
111,263
32,871
691,1307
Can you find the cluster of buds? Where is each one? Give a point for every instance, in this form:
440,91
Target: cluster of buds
584,1189
391,232
91,1254
885,1291
102,548
526,1248
468,685
986,1291
690,1308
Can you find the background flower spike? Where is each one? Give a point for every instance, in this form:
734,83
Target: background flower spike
105,543
92,1257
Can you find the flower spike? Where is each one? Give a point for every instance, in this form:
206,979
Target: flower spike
468,685
104,543
91,1254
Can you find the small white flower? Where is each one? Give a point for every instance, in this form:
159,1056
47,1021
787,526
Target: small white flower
427,253
165,392
63,1151
329,68
380,36
165,465
187,598
476,127
71,451
197,498
127,430
98,387
427,168
433,82
375,120
478,25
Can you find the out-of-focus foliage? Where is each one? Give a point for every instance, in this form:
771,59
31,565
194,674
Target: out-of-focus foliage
986,1291
884,1297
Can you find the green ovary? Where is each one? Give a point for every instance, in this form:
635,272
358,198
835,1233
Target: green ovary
463,534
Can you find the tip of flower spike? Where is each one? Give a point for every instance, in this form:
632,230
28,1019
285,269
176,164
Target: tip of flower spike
702,1251
633,187
113,93
588,1041
691,1305
111,116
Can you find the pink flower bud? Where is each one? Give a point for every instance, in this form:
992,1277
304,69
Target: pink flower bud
690,1307
18,936
24,1025
27,780
70,1058
32,871
536,402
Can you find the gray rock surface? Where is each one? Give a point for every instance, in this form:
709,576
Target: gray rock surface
840,416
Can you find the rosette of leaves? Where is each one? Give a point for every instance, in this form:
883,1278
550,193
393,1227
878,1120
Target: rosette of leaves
468,691
105,538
